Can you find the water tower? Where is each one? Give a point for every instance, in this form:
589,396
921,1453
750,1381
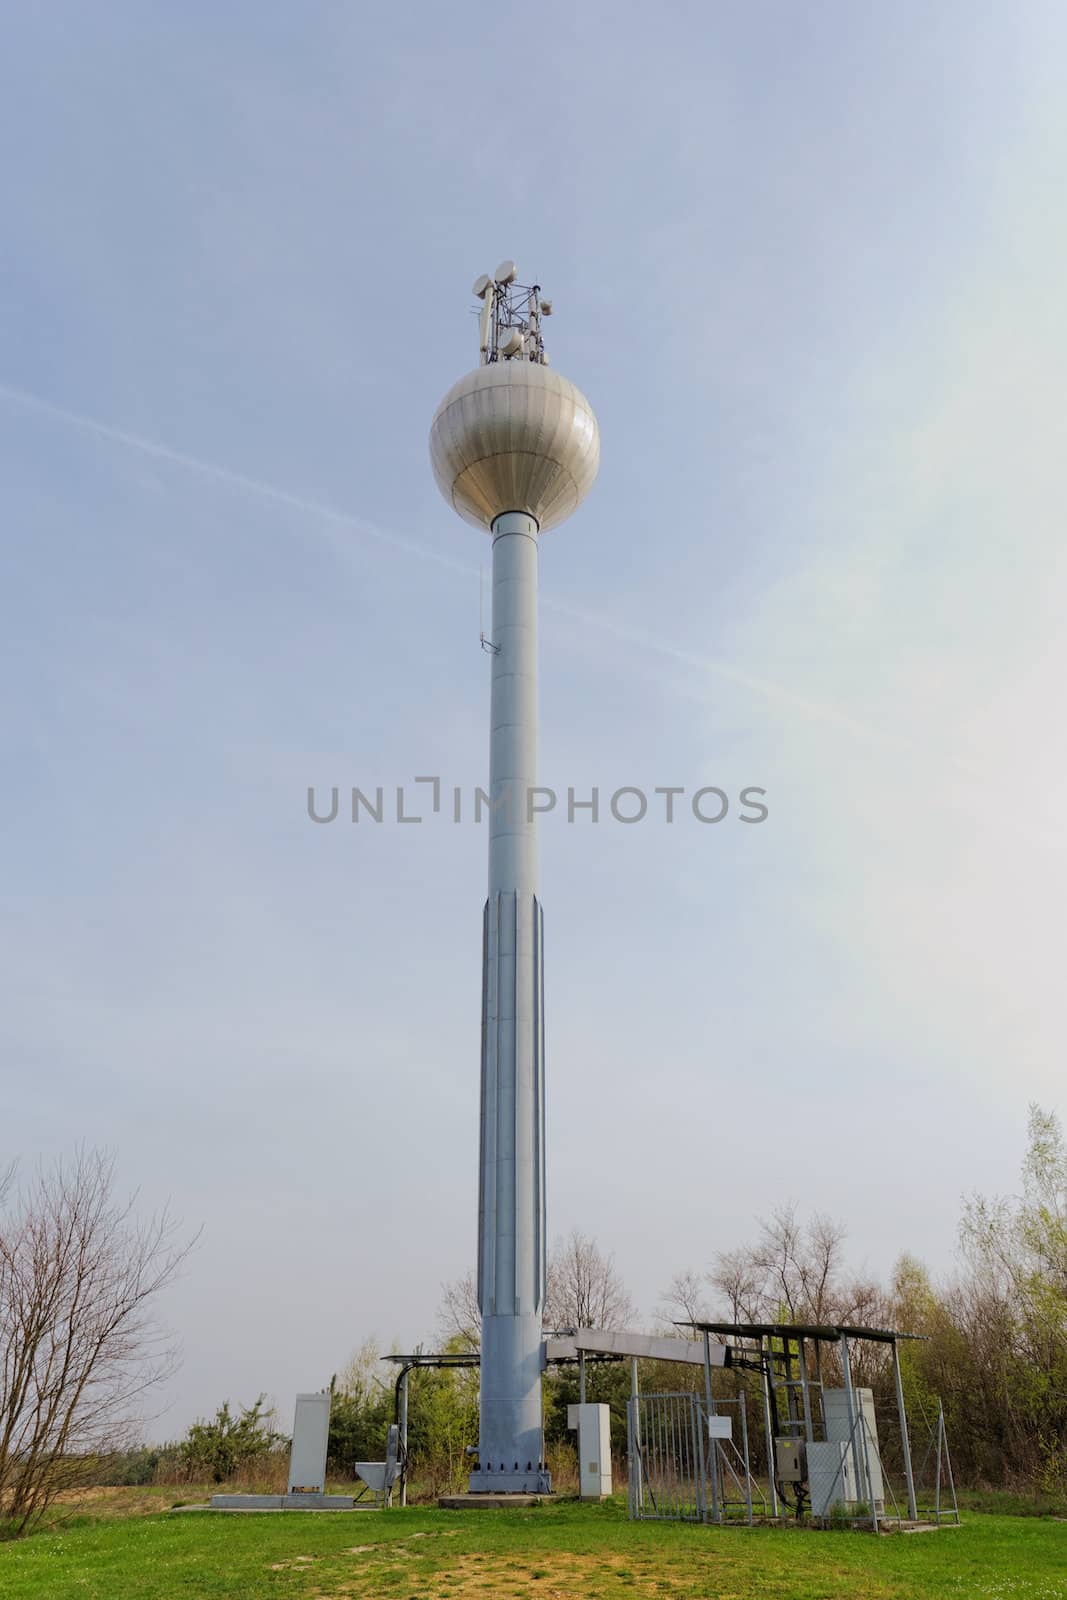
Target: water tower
515,448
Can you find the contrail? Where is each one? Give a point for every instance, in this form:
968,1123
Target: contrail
766,687
333,517
234,480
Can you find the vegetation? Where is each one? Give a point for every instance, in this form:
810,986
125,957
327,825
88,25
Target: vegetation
219,1448
79,1347
551,1553
993,1339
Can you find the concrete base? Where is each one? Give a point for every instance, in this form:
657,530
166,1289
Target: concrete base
281,1502
488,1502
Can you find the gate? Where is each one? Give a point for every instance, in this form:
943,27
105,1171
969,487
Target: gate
684,1466
668,1469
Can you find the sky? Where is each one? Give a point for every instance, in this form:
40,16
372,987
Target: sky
807,265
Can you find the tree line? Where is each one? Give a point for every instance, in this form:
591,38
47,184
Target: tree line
80,1345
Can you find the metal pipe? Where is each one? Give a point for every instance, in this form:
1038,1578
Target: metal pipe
905,1442
635,1431
769,1432
744,1445
712,1443
948,1465
855,1414
809,1431
404,1437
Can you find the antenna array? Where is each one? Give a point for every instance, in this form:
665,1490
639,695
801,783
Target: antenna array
509,328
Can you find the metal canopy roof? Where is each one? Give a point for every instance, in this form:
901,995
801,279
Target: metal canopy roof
821,1331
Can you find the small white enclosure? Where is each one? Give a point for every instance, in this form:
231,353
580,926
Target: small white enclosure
311,1433
831,1476
835,1410
594,1448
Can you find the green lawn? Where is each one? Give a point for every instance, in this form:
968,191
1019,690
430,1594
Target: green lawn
560,1552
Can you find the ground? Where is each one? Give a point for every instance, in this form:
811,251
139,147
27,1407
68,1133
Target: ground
562,1551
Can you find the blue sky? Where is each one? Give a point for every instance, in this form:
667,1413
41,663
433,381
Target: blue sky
807,266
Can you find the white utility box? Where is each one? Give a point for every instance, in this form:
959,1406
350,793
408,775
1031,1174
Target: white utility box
835,1420
831,1476
311,1435
594,1448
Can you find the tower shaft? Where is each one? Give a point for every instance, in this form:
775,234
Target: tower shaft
511,1204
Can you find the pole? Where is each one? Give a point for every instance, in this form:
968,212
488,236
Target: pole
857,1418
744,1446
581,1377
511,1203
948,1467
767,1429
713,1444
809,1431
635,1434
905,1442
404,1438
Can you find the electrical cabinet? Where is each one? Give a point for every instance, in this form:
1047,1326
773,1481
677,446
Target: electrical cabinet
593,1423
311,1432
790,1460
835,1420
831,1476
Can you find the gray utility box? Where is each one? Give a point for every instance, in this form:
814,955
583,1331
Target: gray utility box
790,1456
836,1423
311,1433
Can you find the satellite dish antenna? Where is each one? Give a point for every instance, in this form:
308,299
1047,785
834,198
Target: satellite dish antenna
513,343
506,272
482,286
546,308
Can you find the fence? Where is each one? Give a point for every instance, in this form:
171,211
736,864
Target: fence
684,1466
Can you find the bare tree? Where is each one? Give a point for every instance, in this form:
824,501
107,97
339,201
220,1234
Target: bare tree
684,1298
584,1287
791,1274
79,1345
739,1285
584,1291
458,1316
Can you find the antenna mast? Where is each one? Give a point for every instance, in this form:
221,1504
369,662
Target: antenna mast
509,328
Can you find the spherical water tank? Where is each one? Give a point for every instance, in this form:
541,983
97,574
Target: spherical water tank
514,436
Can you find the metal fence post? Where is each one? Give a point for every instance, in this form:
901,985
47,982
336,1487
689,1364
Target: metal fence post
744,1444
905,1442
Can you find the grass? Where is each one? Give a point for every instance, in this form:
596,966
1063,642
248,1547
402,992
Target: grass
560,1551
